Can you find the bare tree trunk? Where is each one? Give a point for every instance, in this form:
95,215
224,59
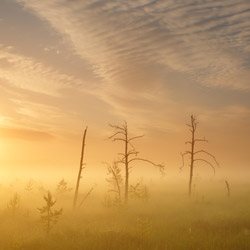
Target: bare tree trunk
192,158
228,189
129,155
80,169
193,154
126,167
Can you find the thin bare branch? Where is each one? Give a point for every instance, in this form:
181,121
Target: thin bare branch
133,152
121,154
204,139
135,137
120,161
112,190
183,161
117,127
131,145
205,152
228,188
115,134
119,139
209,163
115,177
160,166
87,195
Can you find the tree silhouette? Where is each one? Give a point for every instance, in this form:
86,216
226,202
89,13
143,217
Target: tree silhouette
115,179
14,203
130,154
62,187
194,155
29,186
49,217
79,176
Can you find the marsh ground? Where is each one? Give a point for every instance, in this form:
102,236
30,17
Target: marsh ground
168,220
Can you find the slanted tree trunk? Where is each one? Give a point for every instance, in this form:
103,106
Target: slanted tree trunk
79,176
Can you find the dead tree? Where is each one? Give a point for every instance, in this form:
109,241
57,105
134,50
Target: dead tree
79,176
130,154
194,154
115,179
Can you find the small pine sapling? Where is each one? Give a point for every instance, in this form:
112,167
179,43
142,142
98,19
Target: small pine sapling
29,186
14,203
139,191
62,187
48,216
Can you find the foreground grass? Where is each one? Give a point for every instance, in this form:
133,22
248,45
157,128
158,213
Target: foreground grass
169,223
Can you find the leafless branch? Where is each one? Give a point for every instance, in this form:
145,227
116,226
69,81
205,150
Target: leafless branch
112,190
117,127
135,137
119,139
87,195
121,154
133,152
204,139
182,156
115,177
120,161
209,163
203,151
160,166
115,134
131,145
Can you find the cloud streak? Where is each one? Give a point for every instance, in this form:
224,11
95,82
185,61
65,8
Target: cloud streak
126,40
28,73
24,134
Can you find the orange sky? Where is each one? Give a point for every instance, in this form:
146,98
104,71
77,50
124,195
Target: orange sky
68,64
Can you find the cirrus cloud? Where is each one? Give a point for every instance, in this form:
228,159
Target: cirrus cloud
124,40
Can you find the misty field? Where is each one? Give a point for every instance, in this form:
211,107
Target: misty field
165,220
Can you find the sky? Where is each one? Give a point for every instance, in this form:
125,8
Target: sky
67,64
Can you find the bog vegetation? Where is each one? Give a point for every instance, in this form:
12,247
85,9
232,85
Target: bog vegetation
127,215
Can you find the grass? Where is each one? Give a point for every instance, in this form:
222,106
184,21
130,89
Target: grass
171,222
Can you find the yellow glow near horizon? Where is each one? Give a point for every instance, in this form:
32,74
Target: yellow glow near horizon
1,120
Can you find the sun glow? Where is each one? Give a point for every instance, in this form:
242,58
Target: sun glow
1,120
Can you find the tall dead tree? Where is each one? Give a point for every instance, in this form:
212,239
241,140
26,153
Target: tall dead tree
79,176
130,154
194,154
